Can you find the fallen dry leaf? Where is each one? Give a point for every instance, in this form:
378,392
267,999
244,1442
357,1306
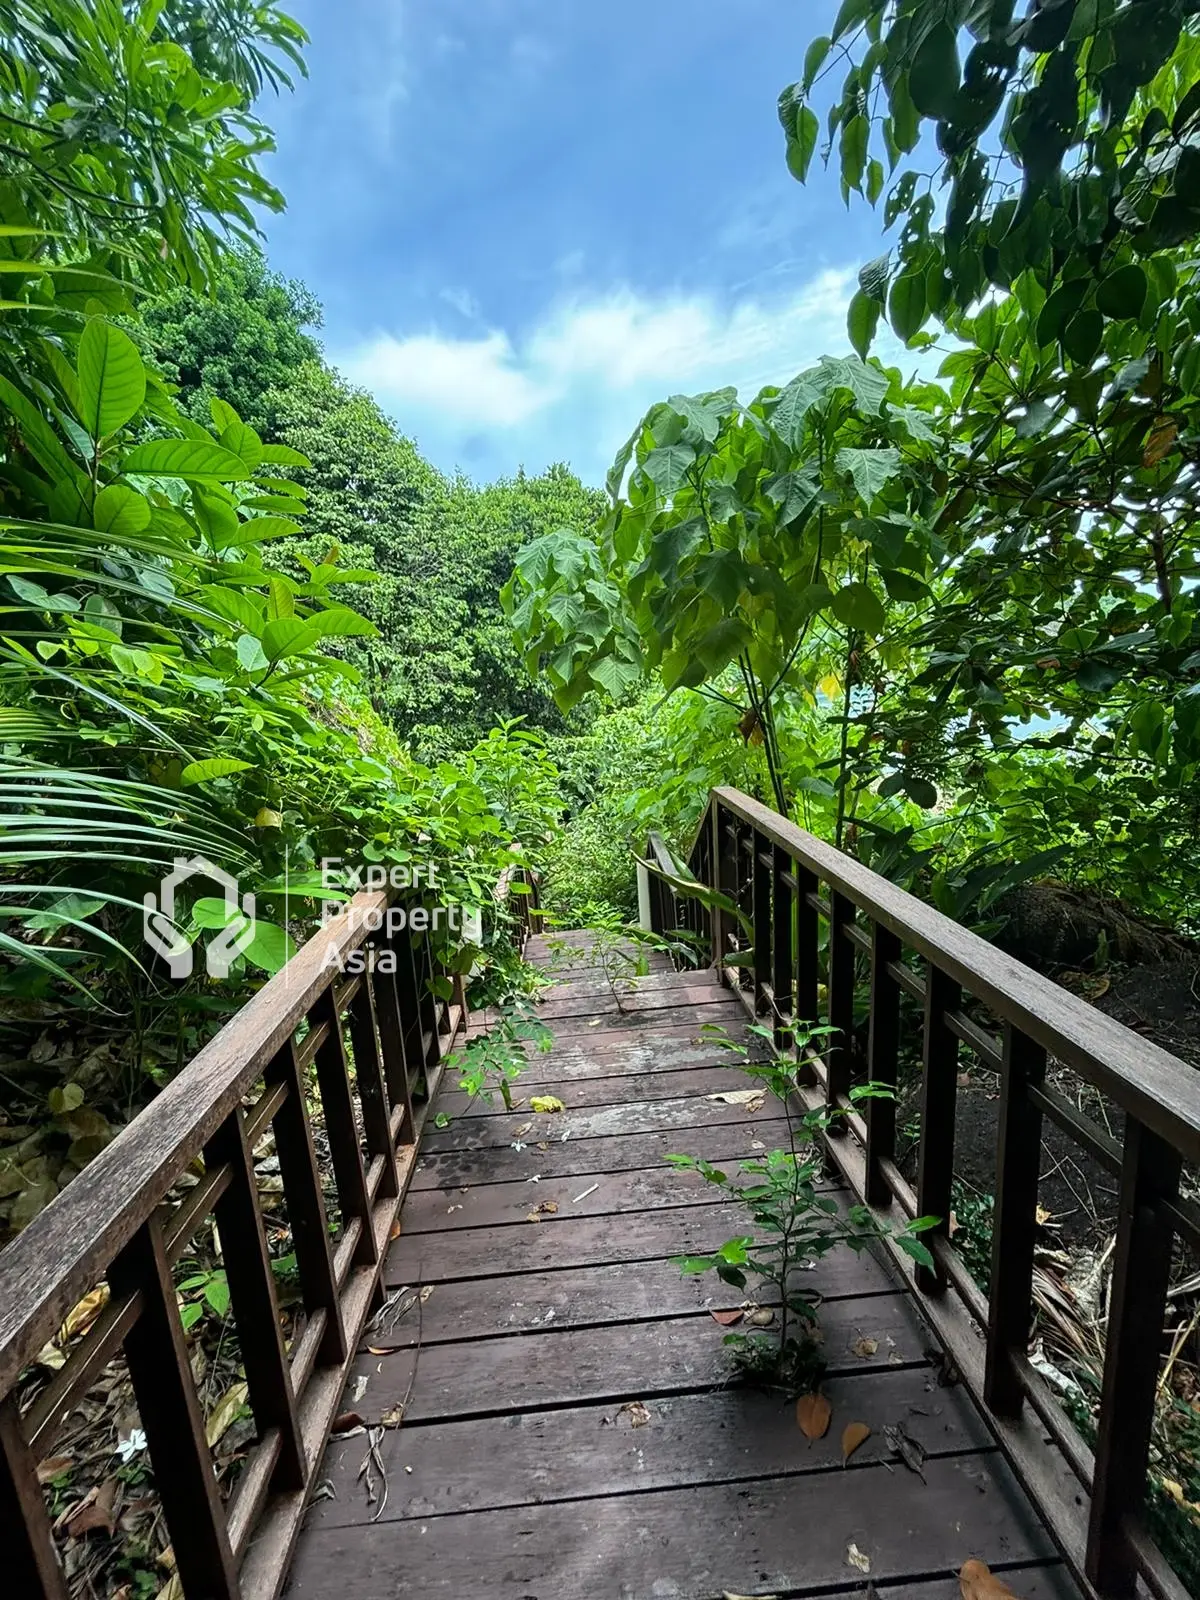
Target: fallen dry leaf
854,1434
752,1099
864,1348
95,1512
813,1412
728,1319
978,1582
911,1451
346,1421
393,1416
546,1209
760,1317
225,1413
638,1414
396,1229
857,1558
545,1102
80,1319
728,1594
50,1469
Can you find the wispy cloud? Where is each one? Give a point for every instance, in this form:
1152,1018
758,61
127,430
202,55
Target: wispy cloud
572,385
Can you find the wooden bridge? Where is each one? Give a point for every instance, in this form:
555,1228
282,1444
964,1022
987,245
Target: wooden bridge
531,1403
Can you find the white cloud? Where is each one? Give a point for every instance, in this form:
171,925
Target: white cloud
463,301
573,386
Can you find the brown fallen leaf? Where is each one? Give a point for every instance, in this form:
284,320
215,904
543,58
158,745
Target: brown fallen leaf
394,1415
813,1412
346,1421
978,1582
854,1434
864,1348
760,1317
728,1319
95,1512
50,1469
396,1229
546,1209
638,1414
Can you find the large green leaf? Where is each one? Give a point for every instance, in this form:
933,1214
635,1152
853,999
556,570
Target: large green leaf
870,470
214,767
667,467
862,320
934,77
859,607
120,511
112,378
185,458
803,143
908,304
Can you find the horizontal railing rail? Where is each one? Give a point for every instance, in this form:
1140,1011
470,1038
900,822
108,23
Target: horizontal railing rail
815,912
126,1220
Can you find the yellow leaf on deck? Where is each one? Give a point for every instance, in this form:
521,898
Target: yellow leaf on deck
854,1434
225,1413
977,1581
80,1319
813,1412
546,1102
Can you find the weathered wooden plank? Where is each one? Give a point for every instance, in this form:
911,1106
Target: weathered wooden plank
693,1017
674,1355
604,1056
730,1141
484,1204
562,1242
656,981
576,1453
584,1295
598,1122
596,1091
626,1002
693,1543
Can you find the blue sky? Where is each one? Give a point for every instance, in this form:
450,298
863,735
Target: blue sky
530,219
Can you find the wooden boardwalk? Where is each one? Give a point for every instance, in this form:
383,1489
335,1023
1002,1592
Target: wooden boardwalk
567,1430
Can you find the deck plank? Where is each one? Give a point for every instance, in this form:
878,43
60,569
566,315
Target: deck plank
693,1543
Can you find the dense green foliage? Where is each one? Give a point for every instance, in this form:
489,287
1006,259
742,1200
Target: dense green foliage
956,617
175,672
441,667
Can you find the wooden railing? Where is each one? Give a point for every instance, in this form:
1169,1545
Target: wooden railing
126,1220
817,914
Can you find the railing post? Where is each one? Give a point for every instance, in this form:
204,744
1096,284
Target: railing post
172,1421
306,1204
345,1153
1014,1229
390,1018
807,968
721,883
841,1003
252,1296
883,1047
373,1097
939,1094
781,947
30,1560
760,879
1141,1276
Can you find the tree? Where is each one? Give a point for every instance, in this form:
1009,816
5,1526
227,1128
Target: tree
239,342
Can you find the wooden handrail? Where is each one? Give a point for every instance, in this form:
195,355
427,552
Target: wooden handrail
114,1223
773,871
